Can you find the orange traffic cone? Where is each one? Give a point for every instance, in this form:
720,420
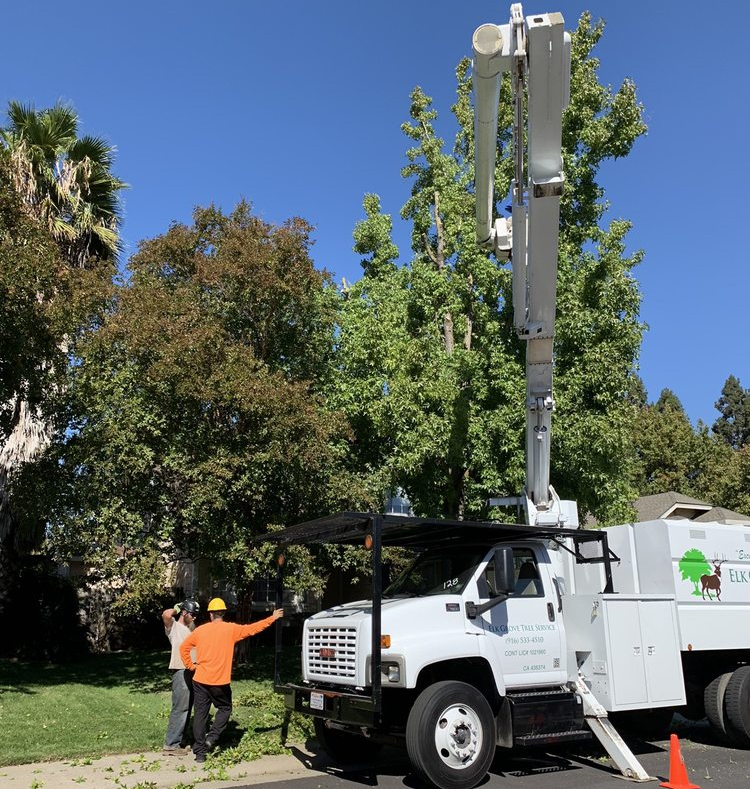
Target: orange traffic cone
678,777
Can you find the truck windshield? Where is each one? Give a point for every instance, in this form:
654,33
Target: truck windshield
439,571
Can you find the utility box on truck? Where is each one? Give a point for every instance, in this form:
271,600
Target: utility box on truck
705,569
627,648
705,566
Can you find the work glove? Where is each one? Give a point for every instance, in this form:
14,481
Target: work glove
177,608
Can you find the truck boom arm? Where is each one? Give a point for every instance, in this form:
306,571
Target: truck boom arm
536,51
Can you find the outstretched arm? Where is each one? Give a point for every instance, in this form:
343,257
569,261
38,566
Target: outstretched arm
245,631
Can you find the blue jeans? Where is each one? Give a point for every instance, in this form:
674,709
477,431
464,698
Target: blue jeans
182,702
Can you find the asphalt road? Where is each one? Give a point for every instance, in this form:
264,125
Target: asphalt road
582,766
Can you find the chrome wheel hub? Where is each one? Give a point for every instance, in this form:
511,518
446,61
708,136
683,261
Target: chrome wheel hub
458,736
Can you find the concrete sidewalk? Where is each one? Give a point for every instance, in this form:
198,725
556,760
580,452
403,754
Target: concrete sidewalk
158,771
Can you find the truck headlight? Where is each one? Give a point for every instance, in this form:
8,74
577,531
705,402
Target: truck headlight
392,671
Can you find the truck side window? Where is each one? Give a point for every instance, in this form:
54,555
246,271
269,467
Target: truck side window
528,582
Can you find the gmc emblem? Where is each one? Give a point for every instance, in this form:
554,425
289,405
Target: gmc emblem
327,652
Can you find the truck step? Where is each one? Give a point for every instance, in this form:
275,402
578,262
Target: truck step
547,693
552,737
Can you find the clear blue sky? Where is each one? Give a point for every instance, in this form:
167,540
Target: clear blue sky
297,106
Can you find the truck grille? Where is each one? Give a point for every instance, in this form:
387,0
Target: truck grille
339,648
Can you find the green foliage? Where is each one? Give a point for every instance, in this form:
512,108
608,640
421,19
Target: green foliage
30,273
672,455
430,372
44,304
692,566
733,426
729,475
58,240
195,419
65,180
268,727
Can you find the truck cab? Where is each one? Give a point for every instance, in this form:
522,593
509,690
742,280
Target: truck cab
465,651
429,614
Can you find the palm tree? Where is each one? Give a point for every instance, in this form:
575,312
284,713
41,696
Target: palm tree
65,180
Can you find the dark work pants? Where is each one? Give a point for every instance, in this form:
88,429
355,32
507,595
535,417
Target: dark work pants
203,697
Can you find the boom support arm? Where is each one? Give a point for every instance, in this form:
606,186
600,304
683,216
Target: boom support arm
536,51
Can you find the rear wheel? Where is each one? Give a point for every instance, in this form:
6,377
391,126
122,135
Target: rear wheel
714,697
737,705
450,735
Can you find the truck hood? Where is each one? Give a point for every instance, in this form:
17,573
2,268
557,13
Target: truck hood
399,610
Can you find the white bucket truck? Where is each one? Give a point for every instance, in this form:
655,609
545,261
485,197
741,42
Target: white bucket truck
507,635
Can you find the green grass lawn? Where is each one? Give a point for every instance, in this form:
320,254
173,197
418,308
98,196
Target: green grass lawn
120,703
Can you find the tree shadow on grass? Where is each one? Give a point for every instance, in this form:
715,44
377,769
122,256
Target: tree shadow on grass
142,672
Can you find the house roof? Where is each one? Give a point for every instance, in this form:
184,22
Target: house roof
670,505
723,515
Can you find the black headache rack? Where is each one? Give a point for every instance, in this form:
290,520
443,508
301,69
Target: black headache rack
375,531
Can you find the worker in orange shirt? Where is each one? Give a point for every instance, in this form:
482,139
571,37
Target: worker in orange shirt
214,649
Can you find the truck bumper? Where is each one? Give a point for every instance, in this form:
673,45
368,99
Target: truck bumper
347,708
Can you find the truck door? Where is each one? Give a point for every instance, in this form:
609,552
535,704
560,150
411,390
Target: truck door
526,631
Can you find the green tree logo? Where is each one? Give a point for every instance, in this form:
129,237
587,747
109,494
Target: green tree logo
692,566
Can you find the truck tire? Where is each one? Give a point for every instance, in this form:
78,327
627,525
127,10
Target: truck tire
737,704
714,697
343,747
450,735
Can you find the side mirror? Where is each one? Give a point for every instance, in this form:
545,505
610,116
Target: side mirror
505,576
505,582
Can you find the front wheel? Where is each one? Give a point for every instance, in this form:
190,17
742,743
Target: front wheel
343,747
450,735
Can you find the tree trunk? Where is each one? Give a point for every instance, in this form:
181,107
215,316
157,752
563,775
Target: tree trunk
469,316
438,258
30,436
461,493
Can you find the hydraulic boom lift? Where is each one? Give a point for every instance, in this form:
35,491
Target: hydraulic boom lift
536,51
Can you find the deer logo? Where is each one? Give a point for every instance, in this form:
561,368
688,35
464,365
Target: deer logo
713,581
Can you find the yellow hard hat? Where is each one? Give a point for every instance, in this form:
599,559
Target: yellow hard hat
217,604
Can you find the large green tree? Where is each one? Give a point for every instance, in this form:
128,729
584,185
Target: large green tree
64,184
34,285
733,426
195,418
431,372
672,455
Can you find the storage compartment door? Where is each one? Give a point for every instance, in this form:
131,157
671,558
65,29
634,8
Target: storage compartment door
628,679
661,652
